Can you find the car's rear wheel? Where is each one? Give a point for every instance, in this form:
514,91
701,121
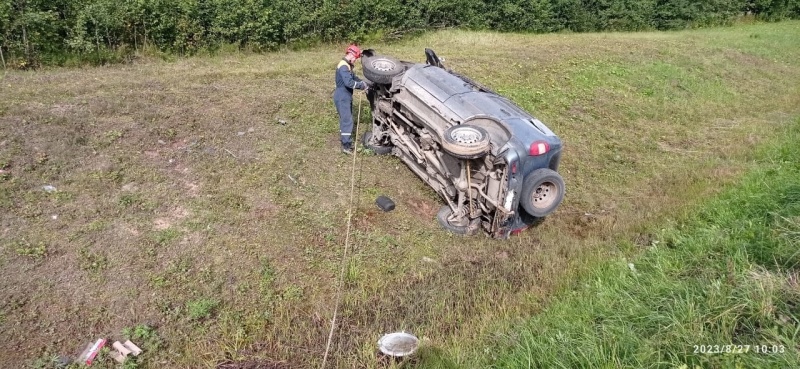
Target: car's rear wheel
465,227
465,141
381,69
366,139
542,191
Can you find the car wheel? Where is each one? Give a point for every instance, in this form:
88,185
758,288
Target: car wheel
366,139
381,69
466,141
443,217
542,191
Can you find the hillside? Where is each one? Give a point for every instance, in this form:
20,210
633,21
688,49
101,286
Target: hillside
206,199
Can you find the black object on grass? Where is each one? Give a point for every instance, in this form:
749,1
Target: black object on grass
385,203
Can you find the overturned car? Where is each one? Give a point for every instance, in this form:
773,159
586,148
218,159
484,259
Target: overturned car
494,164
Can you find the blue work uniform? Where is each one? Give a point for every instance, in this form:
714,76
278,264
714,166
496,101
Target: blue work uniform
346,81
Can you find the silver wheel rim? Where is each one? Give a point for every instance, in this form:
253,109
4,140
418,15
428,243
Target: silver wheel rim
382,65
460,222
466,135
545,195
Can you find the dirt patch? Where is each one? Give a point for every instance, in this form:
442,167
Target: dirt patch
644,239
423,208
586,225
151,154
63,109
174,215
264,209
366,218
192,188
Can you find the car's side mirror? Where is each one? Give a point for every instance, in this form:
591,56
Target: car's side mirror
432,59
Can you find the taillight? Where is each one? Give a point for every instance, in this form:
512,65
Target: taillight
539,148
514,168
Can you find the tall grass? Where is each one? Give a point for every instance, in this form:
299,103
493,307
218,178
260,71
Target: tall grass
725,281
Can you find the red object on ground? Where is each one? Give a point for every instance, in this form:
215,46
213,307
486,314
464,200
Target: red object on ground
88,355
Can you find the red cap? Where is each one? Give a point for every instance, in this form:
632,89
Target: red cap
354,50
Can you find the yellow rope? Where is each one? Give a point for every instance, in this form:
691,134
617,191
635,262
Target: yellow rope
340,281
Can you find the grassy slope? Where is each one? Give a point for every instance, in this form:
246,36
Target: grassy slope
729,275
182,203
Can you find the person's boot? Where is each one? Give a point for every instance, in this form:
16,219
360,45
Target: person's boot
347,148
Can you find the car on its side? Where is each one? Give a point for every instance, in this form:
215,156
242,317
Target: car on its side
495,165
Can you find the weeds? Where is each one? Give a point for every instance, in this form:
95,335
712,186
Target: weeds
42,158
90,261
176,274
292,293
128,200
46,361
267,276
145,336
113,135
201,308
25,248
352,273
166,236
97,225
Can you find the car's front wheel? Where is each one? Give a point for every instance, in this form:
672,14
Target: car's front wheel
465,141
463,225
542,191
377,148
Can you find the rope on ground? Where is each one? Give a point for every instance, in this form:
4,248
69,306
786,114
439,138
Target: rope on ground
340,280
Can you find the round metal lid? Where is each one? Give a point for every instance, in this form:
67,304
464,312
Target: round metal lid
398,344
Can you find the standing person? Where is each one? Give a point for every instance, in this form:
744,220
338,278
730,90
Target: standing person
346,82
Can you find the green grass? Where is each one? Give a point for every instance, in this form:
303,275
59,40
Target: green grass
24,248
727,275
201,309
178,187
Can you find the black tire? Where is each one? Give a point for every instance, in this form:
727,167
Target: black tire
542,192
466,141
445,212
381,69
366,140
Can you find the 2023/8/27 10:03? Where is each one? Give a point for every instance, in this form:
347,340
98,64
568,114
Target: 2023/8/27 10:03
739,349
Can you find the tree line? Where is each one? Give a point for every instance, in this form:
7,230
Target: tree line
35,32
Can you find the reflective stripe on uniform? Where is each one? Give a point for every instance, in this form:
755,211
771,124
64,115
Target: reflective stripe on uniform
343,62
346,134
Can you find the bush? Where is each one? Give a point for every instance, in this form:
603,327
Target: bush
102,31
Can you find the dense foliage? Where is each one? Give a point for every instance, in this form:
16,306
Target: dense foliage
49,31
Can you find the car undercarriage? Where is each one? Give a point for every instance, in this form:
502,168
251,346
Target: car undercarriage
433,121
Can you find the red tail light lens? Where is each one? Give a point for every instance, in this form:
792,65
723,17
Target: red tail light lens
539,148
